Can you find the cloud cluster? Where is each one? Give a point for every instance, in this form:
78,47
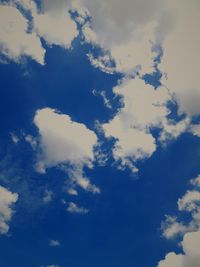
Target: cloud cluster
144,107
189,203
131,30
15,40
190,256
7,199
20,36
66,144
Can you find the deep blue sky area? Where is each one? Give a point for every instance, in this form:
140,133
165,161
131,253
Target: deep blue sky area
122,228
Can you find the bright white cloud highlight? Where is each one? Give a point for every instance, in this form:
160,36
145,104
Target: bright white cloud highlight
7,199
65,143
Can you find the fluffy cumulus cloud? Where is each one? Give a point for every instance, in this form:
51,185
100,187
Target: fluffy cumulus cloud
190,256
7,199
15,40
67,144
189,203
52,22
144,107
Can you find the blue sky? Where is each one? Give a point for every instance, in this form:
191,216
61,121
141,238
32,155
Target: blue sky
99,136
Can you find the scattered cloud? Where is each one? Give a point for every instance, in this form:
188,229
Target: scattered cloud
14,138
73,208
54,243
7,199
72,191
104,97
48,196
189,203
172,129
31,140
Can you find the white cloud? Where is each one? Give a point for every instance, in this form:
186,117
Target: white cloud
48,196
136,55
55,25
181,58
172,129
67,144
7,199
102,62
128,29
21,37
195,129
72,191
103,95
15,41
196,181
73,208
116,21
54,243
189,203
143,108
14,138
190,256
31,140
172,228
